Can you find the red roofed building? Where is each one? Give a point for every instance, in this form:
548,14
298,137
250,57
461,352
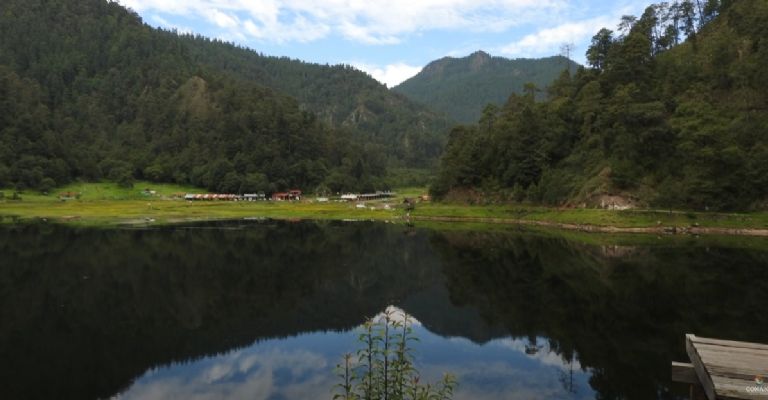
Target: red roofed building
293,194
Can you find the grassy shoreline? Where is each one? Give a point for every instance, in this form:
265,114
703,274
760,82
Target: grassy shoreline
122,212
603,221
105,204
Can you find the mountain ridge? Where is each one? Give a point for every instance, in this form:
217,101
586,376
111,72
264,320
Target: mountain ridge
338,94
462,87
89,91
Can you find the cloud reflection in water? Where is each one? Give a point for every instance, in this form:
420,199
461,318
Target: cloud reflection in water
301,367
252,373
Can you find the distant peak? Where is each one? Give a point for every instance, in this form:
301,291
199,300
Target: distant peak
480,54
478,59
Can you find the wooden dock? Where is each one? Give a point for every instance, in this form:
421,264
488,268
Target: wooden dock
724,369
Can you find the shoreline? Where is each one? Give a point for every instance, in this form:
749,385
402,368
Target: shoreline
658,230
275,214
103,212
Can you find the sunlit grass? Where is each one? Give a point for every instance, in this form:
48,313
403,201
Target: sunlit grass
169,211
109,204
411,192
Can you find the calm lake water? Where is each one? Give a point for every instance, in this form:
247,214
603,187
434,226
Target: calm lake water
265,310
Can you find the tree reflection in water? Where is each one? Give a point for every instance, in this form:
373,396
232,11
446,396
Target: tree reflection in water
85,312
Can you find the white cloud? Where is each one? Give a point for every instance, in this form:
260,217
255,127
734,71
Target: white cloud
391,75
364,35
222,19
369,22
548,41
169,25
301,31
544,355
240,375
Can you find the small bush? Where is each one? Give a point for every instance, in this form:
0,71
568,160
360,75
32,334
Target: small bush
46,185
383,366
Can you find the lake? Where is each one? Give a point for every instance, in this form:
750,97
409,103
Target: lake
266,309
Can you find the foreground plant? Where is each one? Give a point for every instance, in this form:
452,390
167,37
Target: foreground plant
383,369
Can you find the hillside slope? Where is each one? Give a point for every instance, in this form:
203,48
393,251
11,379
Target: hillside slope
341,96
87,91
462,87
669,114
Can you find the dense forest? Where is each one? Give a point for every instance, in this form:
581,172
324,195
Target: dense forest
462,87
88,91
670,112
410,134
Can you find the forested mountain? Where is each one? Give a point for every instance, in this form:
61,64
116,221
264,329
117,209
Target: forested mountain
462,87
672,111
89,91
341,96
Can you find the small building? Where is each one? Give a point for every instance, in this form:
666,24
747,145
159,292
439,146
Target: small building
254,196
293,194
349,197
281,196
211,196
377,195
321,199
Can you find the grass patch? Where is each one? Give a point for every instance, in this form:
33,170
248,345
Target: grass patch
601,239
108,204
112,212
583,216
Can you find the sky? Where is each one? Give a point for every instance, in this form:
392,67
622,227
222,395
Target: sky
392,39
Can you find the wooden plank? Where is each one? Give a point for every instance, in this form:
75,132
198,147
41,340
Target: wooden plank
698,366
730,343
731,351
754,364
744,363
736,389
731,348
734,367
684,373
732,373
726,368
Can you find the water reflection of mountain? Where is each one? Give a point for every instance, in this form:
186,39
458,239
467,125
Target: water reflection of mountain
86,311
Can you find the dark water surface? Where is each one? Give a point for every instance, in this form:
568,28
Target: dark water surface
264,310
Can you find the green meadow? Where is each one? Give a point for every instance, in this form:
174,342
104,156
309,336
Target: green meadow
107,204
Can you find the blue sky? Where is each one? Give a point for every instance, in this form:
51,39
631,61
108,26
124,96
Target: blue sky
392,39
